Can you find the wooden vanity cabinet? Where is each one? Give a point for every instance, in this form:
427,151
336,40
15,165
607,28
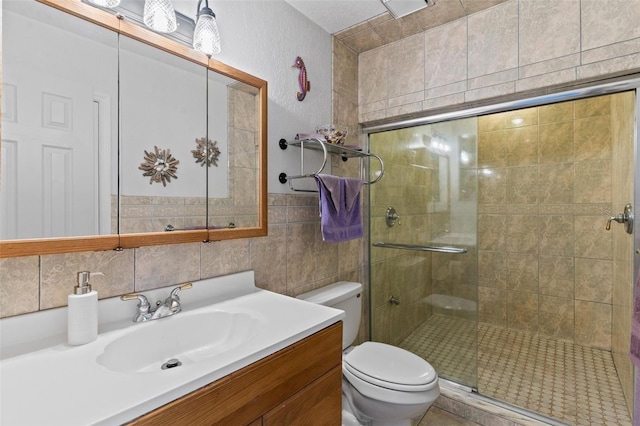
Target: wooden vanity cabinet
298,385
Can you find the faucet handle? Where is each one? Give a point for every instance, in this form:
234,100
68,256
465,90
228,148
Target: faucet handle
175,291
143,303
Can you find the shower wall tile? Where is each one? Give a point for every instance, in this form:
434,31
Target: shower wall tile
492,306
522,273
619,17
556,317
493,79
622,131
411,98
20,285
593,181
593,138
555,113
521,118
522,143
557,276
373,75
455,99
515,46
490,92
522,234
610,51
493,30
555,141
404,57
594,280
548,29
545,80
564,197
522,185
492,146
445,55
491,122
591,238
522,311
492,186
363,41
556,235
555,183
549,66
492,269
447,89
404,109
593,324
592,107
392,30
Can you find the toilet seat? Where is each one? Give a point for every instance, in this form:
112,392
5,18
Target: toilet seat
390,367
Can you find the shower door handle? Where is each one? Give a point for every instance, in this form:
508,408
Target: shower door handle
438,249
625,217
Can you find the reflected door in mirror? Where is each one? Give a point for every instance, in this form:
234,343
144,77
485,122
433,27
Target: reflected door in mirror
59,124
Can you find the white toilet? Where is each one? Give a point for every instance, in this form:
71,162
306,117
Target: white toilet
382,384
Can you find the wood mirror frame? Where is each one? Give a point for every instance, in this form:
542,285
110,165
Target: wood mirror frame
32,247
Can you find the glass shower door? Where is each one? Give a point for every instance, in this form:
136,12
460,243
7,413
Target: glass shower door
423,256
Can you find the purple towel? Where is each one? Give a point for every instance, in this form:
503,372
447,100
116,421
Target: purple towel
635,326
340,217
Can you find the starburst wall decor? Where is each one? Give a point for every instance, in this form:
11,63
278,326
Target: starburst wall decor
200,153
159,165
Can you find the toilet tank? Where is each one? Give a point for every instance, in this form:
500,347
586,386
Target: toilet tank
343,295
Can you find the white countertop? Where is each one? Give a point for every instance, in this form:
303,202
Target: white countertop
65,385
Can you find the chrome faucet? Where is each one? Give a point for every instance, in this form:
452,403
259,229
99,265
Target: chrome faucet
171,305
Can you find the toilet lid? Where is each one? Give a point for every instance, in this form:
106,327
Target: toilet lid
389,366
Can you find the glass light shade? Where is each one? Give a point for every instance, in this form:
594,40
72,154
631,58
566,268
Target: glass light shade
105,3
206,38
160,16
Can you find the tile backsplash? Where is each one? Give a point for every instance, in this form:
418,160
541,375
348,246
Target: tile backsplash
290,260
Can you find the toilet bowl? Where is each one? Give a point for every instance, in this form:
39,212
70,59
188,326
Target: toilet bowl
382,384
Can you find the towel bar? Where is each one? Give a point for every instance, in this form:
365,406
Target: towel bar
326,148
438,249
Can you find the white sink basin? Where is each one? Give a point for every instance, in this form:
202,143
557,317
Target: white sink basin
187,338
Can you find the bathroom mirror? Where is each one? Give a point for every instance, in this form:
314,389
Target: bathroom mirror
163,111
218,188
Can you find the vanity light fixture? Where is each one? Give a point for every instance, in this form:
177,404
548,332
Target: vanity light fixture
105,3
160,16
206,38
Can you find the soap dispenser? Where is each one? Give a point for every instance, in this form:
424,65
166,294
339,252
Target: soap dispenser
82,311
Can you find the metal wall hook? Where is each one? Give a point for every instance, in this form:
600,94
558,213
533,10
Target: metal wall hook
625,218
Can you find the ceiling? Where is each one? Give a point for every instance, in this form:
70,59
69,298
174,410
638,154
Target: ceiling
332,15
336,15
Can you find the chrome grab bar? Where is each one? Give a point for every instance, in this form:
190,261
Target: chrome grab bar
438,249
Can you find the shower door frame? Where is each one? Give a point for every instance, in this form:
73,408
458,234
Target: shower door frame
586,90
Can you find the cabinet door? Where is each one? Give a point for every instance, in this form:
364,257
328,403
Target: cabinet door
317,404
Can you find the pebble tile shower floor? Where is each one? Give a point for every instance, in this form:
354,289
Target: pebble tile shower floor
574,384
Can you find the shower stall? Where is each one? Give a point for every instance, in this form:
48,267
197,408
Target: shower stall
490,253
